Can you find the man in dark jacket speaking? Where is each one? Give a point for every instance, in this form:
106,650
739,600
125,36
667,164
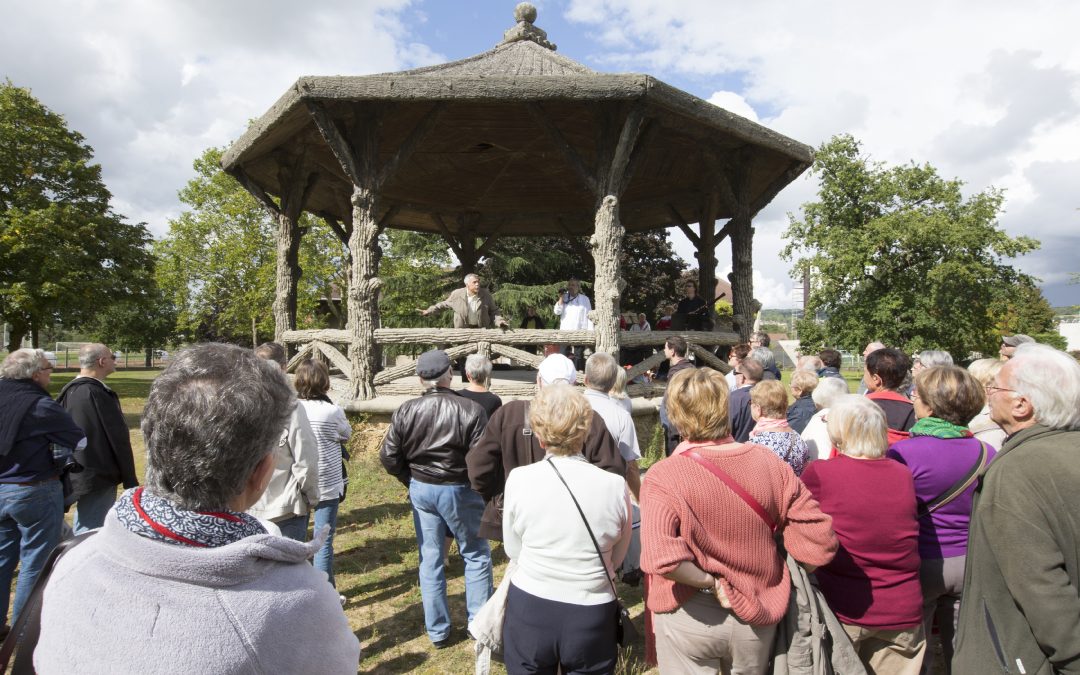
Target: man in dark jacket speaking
107,460
425,449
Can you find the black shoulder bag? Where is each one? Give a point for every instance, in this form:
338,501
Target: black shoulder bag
625,632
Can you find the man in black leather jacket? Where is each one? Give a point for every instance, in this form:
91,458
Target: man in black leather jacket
425,449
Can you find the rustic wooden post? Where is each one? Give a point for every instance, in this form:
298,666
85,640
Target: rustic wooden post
742,254
608,231
606,242
297,181
357,153
707,248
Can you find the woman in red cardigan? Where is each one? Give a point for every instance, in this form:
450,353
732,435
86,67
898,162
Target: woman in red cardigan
873,583
717,585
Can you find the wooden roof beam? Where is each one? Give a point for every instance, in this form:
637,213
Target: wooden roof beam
568,151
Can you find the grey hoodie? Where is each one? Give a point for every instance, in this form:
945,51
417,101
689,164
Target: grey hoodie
121,603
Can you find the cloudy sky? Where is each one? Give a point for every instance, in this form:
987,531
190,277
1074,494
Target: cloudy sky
986,91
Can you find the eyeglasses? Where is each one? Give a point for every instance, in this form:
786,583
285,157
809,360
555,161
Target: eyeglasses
49,367
991,388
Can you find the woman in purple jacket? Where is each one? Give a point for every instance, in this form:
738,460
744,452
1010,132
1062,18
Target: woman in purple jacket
944,459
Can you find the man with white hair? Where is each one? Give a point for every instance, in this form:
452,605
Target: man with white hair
32,427
508,442
425,448
600,372
1021,607
107,459
474,307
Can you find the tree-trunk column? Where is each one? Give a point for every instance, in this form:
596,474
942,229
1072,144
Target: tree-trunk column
364,286
742,273
287,273
606,242
707,251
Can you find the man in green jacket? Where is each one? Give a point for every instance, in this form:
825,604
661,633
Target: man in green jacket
1021,604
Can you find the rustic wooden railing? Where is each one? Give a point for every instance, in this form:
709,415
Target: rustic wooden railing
398,380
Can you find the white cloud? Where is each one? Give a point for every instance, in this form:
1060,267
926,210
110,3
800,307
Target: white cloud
989,94
733,102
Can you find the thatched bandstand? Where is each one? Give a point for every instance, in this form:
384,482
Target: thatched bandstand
516,141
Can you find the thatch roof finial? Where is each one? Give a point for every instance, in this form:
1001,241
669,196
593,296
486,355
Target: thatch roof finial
525,15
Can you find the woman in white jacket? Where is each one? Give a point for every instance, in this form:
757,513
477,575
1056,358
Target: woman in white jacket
560,609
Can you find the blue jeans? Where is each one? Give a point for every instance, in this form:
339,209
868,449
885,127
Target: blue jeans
91,509
449,510
30,519
293,527
326,514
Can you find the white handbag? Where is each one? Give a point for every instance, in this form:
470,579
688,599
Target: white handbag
487,626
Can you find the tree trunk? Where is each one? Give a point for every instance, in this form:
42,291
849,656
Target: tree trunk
149,361
287,274
606,242
254,333
363,292
16,333
707,254
742,274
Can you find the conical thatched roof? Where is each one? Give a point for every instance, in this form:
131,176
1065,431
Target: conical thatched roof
494,150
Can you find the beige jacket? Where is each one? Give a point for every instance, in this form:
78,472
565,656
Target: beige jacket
459,302
294,485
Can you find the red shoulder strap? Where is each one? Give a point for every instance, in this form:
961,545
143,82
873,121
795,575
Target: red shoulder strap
735,487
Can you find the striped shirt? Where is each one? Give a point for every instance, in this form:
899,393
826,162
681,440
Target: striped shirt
331,429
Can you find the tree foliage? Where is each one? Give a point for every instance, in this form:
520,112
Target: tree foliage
64,254
899,254
216,265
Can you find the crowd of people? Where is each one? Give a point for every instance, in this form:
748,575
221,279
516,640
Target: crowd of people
937,502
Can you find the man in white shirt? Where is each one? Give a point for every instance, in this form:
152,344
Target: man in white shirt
573,309
600,373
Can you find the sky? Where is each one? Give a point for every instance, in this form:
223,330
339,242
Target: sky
987,92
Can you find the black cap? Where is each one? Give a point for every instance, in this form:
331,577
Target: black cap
432,365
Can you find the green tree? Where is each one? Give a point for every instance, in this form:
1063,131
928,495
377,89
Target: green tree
145,321
64,253
898,254
216,265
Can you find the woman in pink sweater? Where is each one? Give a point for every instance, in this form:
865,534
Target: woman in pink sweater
717,585
873,583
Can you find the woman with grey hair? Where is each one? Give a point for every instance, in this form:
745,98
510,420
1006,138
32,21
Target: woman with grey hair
767,359
816,434
178,562
478,371
929,359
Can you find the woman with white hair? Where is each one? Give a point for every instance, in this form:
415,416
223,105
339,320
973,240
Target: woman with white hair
816,434
478,372
566,523
873,584
984,428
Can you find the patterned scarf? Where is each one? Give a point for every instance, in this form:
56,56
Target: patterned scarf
765,424
939,428
157,518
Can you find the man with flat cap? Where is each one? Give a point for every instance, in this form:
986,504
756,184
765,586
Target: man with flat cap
425,449
1009,343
